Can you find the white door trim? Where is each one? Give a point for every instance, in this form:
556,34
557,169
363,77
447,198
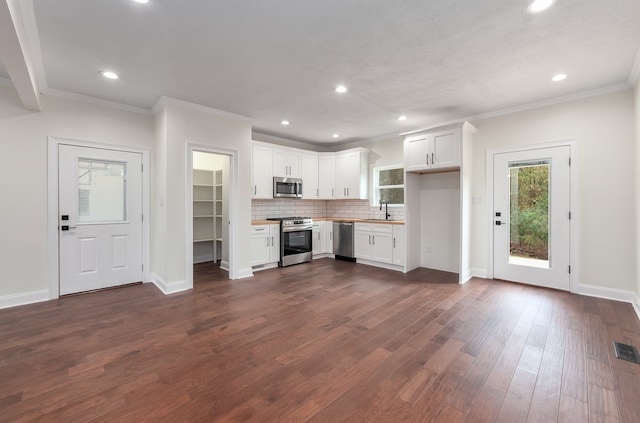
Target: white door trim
233,207
52,206
574,145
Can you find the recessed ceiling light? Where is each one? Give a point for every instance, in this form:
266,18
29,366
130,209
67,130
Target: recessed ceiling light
142,1
109,74
559,77
341,89
285,122
403,117
538,6
336,135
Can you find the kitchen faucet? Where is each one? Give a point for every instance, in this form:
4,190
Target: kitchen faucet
386,210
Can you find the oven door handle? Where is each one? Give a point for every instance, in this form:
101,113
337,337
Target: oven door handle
298,228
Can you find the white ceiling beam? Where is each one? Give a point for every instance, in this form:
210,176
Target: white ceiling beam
16,55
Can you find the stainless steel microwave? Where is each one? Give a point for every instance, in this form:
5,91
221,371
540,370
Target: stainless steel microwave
287,187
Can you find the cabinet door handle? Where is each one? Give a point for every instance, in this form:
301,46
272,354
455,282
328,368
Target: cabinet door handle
374,240
317,192
348,191
394,243
272,244
332,194
267,239
427,159
255,189
369,239
432,161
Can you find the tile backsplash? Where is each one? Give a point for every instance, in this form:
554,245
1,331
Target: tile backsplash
355,209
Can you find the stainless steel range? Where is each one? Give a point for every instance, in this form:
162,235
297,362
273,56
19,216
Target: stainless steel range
295,240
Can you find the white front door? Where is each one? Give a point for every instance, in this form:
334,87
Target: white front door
531,216
100,218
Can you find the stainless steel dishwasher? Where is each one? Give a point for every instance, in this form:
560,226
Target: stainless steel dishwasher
343,241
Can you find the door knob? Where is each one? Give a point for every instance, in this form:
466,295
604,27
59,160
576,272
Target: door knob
498,223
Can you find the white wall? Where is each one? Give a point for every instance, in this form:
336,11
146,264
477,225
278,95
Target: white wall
185,125
23,167
440,221
637,190
604,126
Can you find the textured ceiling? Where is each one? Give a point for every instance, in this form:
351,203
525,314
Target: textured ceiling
431,60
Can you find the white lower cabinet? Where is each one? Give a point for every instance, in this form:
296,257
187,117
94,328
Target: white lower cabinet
322,238
328,237
316,239
379,243
265,245
398,245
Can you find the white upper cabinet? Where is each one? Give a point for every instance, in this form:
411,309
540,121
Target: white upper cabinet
309,172
326,176
352,167
286,163
262,171
433,151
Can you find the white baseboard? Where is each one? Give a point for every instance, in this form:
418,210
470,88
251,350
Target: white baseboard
15,300
477,272
612,294
168,287
382,265
224,265
244,273
202,259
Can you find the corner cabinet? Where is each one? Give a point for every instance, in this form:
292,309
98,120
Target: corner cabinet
326,176
207,215
352,167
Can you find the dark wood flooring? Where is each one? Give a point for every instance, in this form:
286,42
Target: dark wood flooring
327,341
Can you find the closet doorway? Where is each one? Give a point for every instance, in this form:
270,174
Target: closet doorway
210,183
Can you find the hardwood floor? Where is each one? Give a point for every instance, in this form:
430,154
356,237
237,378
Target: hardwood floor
327,341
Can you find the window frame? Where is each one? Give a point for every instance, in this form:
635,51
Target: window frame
375,196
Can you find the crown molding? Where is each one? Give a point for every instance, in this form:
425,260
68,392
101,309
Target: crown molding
528,106
165,101
94,100
550,102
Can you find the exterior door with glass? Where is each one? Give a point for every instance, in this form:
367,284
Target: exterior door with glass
100,218
531,216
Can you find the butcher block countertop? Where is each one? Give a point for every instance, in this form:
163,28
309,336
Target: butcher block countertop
334,219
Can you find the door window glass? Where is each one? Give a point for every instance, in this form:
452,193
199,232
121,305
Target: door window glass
529,213
101,191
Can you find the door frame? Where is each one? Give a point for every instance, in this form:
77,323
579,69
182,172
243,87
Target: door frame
574,146
52,206
233,206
